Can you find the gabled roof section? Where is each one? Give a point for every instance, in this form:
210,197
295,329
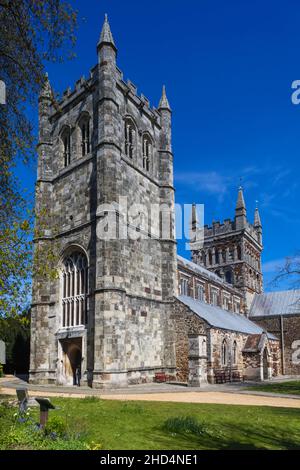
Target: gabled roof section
255,343
276,303
222,319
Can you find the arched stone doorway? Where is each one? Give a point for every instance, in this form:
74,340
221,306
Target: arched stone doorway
265,365
71,360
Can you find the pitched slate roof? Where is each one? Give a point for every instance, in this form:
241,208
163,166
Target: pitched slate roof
200,269
276,303
222,319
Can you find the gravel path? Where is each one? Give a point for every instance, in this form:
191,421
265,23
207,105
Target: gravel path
179,397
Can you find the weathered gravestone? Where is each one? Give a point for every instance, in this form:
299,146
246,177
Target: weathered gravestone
22,394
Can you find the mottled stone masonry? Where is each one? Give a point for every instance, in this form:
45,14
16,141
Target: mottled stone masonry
124,275
291,334
189,327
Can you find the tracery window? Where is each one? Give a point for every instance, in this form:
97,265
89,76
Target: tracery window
214,296
204,348
184,287
224,353
237,306
228,276
147,152
74,290
85,136
200,295
226,301
234,352
129,138
66,141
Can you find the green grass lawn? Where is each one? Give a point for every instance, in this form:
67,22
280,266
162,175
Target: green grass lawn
289,388
155,425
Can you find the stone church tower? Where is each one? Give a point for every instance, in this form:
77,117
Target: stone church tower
105,309
232,250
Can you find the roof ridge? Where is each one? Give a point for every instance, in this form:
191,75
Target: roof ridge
219,318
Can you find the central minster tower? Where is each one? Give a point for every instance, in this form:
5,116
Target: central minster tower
232,250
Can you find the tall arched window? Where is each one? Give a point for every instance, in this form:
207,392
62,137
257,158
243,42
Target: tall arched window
224,353
184,286
66,141
204,349
85,136
200,295
228,276
147,152
74,290
234,353
129,138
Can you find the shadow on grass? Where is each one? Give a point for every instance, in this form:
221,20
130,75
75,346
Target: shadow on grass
135,425
233,436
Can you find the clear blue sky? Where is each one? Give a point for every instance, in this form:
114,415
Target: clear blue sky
228,68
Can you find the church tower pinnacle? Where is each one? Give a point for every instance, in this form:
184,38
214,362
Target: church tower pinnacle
164,103
106,37
257,221
240,210
258,225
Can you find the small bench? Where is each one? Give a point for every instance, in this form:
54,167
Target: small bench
160,377
227,375
237,376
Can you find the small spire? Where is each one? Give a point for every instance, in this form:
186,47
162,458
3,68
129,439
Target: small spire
164,103
194,218
46,90
240,204
106,36
257,221
193,223
240,211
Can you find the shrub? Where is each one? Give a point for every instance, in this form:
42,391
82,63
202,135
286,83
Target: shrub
1,371
185,424
63,444
56,427
20,431
22,436
133,408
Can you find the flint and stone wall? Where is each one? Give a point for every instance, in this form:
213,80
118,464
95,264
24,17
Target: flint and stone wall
290,349
190,330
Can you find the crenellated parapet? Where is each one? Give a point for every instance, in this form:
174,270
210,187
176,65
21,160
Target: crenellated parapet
227,227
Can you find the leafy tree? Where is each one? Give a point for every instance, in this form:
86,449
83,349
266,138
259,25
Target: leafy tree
289,272
15,332
32,33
